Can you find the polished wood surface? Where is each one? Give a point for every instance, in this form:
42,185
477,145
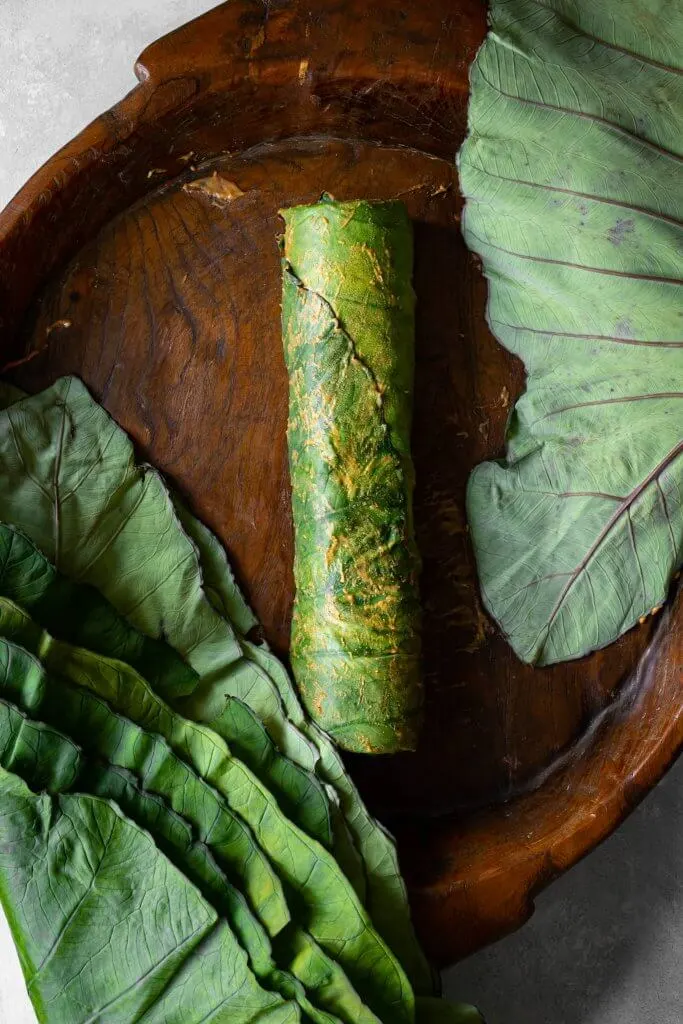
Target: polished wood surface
143,257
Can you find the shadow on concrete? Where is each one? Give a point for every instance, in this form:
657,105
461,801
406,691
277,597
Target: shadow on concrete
604,946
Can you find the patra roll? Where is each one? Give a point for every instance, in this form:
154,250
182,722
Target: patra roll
348,318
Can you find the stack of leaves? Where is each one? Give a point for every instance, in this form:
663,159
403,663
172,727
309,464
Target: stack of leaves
178,842
572,175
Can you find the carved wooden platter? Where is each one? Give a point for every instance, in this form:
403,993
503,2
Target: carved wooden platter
143,258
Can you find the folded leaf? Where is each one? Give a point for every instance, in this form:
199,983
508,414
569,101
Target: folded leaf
47,759
332,988
102,733
298,791
571,173
220,585
107,929
79,614
114,757
44,758
327,905
70,482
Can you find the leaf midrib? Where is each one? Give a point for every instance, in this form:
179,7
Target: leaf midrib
564,20
629,275
591,196
617,129
588,337
615,518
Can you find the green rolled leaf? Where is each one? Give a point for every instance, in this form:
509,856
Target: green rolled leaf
348,332
572,176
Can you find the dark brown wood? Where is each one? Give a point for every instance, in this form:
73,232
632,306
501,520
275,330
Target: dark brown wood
143,257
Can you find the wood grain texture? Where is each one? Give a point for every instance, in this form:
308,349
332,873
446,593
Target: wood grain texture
126,261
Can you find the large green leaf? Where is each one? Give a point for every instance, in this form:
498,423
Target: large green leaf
79,614
70,481
53,761
572,176
220,585
298,791
111,737
326,904
101,753
43,759
332,989
49,760
108,929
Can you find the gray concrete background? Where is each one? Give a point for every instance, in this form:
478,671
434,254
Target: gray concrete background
604,946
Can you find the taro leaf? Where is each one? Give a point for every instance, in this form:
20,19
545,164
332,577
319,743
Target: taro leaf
69,480
220,585
186,828
48,759
108,929
326,904
44,758
298,791
572,176
104,734
79,614
333,991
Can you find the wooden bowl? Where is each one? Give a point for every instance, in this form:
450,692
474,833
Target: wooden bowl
143,257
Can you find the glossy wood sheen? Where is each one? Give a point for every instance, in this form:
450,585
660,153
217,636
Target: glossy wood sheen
143,257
